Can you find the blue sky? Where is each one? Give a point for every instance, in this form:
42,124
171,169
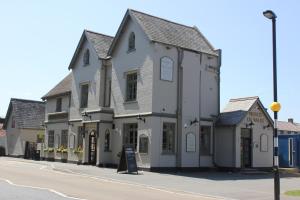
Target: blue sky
38,39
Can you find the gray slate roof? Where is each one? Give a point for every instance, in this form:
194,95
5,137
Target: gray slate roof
236,110
100,42
62,87
167,32
28,113
288,126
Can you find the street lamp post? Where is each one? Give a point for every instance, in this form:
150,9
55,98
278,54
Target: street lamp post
275,107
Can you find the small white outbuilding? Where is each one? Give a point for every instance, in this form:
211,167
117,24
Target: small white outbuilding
244,135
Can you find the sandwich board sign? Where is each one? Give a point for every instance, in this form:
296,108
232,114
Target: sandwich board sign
127,160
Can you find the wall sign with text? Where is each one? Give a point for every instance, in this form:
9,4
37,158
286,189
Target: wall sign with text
190,142
166,69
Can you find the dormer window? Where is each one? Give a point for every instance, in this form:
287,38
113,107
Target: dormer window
131,42
86,57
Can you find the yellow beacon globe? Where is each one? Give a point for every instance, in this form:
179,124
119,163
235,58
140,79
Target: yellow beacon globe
275,106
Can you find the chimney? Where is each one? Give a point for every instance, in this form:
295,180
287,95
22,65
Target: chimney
290,120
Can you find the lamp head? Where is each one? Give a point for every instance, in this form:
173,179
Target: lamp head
269,14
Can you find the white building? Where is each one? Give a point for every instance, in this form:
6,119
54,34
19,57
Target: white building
23,125
154,86
244,135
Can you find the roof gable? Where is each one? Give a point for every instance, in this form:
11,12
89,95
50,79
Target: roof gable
63,87
236,110
100,43
166,32
27,113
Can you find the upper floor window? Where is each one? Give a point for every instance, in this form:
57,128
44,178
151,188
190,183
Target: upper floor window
131,42
86,57
131,86
58,104
166,69
13,122
84,96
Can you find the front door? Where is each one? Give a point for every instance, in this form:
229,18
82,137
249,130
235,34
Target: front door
246,148
92,148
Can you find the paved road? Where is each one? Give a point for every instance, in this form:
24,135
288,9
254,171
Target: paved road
31,180
90,182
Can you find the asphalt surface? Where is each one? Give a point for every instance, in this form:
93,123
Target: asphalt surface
36,179
88,182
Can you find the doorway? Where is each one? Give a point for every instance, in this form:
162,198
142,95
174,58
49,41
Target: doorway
92,148
246,148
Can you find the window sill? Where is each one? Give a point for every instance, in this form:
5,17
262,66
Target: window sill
130,102
108,151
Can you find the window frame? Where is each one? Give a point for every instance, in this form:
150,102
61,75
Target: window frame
127,135
129,97
209,148
80,136
52,140
86,57
170,126
87,96
13,122
131,42
58,104
64,138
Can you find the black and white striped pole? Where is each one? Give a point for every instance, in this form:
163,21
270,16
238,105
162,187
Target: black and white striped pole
275,107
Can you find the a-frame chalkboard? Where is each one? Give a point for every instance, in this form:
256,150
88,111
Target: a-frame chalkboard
127,160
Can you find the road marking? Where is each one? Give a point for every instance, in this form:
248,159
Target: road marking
111,180
40,188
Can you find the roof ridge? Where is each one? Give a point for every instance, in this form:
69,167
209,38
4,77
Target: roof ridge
162,19
98,33
243,98
27,100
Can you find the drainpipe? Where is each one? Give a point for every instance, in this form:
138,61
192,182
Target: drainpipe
219,72
179,106
199,125
219,52
104,64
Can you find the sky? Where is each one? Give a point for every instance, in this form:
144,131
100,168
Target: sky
38,40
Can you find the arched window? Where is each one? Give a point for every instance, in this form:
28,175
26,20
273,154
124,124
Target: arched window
107,141
86,57
131,42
